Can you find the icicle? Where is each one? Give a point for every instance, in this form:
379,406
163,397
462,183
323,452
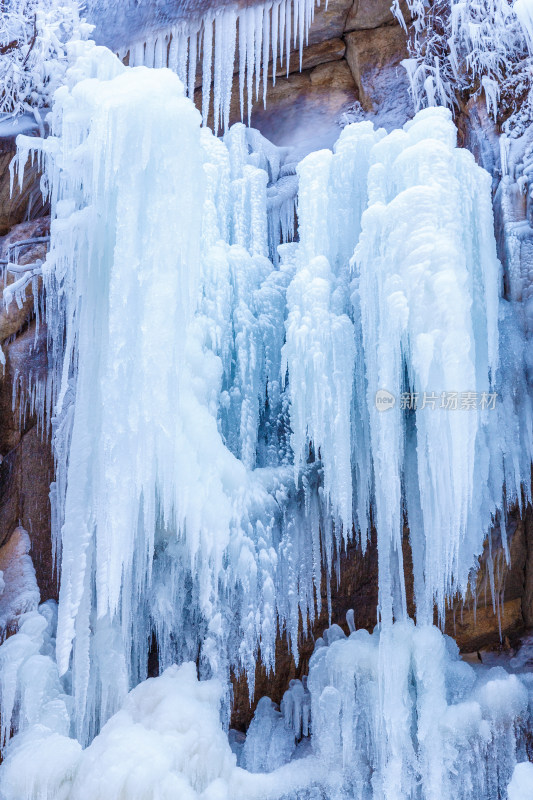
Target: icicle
218,102
259,31
183,55
173,51
242,59
207,46
275,25
250,33
302,29
288,8
193,42
160,52
282,23
227,64
266,50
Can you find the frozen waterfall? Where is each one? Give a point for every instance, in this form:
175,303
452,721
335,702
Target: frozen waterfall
230,409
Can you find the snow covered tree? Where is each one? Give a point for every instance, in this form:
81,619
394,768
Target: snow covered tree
33,39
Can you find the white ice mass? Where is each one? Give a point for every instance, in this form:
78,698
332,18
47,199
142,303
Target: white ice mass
218,438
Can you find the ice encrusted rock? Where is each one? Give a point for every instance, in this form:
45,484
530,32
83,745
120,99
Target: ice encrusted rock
19,592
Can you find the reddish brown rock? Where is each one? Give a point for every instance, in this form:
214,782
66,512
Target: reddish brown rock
374,57
368,14
28,200
26,469
312,56
330,21
303,110
25,476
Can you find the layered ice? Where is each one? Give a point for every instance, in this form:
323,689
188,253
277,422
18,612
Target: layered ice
230,408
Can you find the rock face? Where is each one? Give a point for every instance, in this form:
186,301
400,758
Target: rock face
26,467
24,203
303,110
374,58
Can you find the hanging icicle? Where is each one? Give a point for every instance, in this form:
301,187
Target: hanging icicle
207,48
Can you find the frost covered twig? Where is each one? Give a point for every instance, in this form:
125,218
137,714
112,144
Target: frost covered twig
461,46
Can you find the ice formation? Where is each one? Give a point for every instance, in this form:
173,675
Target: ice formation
229,409
255,35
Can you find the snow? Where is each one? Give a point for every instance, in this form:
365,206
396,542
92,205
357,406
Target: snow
167,740
521,785
217,442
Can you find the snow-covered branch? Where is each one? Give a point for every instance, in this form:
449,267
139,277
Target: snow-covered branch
33,39
471,46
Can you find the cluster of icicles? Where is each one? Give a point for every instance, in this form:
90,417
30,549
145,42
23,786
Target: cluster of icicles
218,440
467,41
262,32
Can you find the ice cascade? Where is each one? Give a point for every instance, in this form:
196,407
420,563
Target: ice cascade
231,408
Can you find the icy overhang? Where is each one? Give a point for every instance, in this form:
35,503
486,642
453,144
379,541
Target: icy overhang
118,23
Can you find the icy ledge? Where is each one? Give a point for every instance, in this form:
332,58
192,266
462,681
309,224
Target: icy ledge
424,724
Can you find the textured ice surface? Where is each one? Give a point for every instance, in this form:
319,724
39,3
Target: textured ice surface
428,726
219,434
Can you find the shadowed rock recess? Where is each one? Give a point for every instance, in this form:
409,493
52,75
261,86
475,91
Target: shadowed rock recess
351,70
